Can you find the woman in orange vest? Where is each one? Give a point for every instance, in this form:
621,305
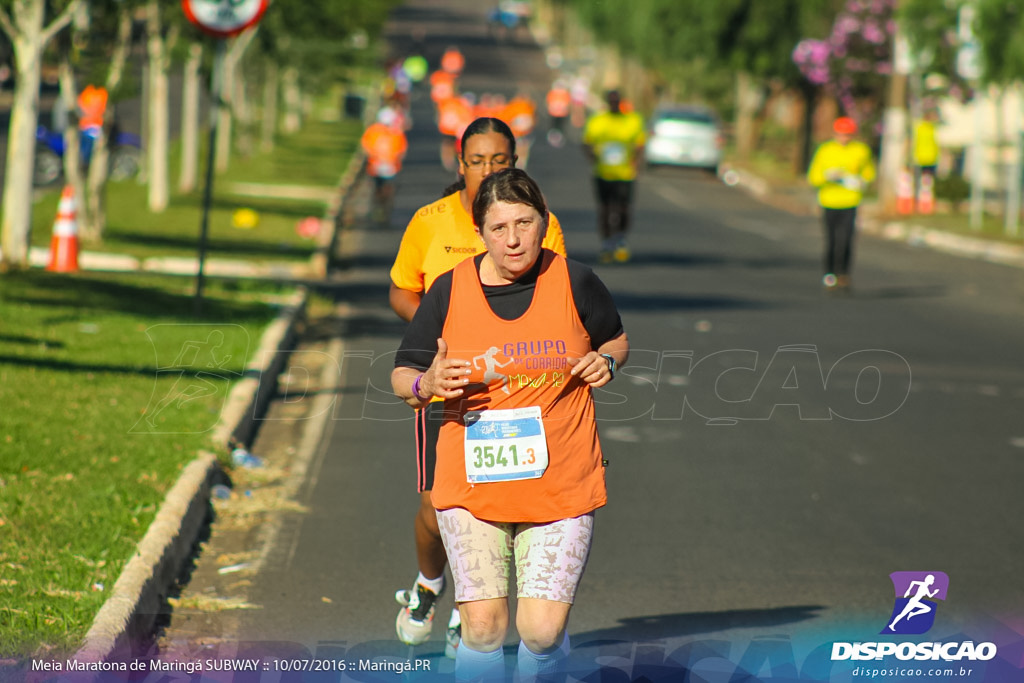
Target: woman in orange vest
514,340
439,236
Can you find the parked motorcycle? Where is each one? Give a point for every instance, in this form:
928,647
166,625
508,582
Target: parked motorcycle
125,154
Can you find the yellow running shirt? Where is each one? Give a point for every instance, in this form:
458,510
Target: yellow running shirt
615,139
439,237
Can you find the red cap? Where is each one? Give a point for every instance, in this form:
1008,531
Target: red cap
844,125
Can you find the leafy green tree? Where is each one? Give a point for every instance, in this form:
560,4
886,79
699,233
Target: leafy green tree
999,27
750,40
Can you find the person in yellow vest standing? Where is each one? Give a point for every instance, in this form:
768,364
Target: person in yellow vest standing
841,168
926,159
614,141
926,145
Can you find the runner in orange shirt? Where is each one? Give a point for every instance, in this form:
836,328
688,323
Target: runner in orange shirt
453,116
521,116
92,108
559,102
438,237
385,145
442,85
452,61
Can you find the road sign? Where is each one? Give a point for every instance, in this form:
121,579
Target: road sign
224,18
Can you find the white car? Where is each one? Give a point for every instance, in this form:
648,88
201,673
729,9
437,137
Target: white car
684,135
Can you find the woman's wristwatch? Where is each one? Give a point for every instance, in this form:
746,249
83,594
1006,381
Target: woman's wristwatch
611,364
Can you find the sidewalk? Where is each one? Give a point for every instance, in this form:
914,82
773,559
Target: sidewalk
801,199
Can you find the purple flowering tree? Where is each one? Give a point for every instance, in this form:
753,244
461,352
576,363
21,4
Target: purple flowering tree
854,63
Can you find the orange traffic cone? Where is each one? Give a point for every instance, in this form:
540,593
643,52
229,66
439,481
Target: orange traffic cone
926,194
905,193
64,243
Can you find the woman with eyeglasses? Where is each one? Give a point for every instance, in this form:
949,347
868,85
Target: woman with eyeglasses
440,236
514,340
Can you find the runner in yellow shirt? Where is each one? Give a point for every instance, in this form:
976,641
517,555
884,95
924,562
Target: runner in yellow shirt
841,168
440,236
614,140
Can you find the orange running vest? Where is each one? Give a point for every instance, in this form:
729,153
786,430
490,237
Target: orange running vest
538,344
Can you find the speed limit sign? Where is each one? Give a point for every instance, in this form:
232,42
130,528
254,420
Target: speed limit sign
224,18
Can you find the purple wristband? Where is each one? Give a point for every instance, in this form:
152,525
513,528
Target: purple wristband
416,387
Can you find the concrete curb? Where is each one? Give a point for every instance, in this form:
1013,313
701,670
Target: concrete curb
951,243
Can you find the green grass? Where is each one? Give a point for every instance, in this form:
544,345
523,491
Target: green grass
89,445
109,385
991,228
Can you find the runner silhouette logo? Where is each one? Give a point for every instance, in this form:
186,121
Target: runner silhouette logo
916,593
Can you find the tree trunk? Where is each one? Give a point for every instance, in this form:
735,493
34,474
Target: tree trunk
292,101
226,114
73,148
96,188
99,164
222,155
805,140
269,121
159,123
894,143
190,120
243,114
748,101
21,141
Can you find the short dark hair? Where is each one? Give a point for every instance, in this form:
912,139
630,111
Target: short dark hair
511,185
487,124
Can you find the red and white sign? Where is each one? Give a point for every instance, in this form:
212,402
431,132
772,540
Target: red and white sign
224,18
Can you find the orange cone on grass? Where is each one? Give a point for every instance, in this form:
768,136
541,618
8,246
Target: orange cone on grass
64,243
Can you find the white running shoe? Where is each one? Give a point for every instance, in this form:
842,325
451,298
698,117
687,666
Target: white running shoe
416,618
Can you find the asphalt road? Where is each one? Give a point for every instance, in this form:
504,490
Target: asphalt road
775,452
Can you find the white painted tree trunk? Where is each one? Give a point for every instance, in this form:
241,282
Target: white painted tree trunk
292,101
749,99
21,141
242,110
190,120
73,149
222,155
269,120
232,62
99,163
159,119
